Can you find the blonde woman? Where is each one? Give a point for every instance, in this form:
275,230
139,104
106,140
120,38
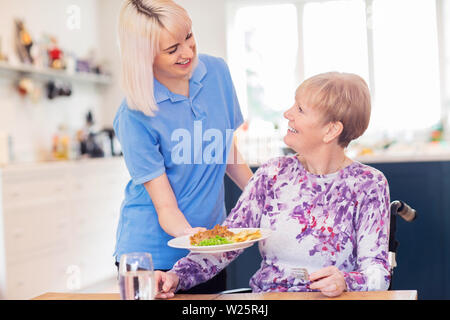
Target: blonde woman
176,131
328,214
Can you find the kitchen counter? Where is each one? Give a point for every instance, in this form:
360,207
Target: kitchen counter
414,152
426,154
429,155
59,164
403,157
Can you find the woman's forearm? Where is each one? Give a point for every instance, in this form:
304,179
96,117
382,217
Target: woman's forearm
373,278
237,168
171,219
173,222
240,174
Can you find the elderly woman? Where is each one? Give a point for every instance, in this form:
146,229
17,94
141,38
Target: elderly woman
328,213
170,89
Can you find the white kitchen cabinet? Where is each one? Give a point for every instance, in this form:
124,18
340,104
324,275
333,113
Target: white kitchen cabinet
57,225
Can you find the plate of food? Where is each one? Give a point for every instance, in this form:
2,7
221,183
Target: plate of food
220,239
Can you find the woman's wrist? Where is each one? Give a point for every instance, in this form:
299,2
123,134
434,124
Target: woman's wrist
354,280
173,222
177,277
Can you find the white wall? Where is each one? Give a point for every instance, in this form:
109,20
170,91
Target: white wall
32,125
208,18
446,55
112,95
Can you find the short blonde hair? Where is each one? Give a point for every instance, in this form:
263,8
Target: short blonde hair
140,25
343,97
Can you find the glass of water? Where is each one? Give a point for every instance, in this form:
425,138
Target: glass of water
136,276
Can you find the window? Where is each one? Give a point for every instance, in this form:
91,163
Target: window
264,47
268,53
406,66
335,38
392,44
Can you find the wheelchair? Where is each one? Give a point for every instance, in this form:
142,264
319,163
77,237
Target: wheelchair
404,211
398,208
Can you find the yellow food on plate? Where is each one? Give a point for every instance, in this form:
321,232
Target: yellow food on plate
246,235
221,235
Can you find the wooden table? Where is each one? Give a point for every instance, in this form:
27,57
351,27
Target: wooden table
368,295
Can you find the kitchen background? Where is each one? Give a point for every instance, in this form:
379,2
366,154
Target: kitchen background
61,175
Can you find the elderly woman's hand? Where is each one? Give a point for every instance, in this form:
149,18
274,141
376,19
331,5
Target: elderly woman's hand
330,281
166,284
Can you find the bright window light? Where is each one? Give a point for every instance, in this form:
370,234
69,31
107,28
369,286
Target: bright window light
406,60
268,54
335,38
392,44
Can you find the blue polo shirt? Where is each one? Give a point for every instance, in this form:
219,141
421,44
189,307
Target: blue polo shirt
189,139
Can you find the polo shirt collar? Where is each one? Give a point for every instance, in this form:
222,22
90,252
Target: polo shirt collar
162,93
199,72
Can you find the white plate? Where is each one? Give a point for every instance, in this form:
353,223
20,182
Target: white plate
184,242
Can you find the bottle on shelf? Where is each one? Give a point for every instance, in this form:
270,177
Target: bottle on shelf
61,144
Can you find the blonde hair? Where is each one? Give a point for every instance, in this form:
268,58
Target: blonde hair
140,25
343,97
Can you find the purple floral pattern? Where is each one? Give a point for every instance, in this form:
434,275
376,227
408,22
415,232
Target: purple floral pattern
340,219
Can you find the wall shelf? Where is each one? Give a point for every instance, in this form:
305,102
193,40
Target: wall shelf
51,74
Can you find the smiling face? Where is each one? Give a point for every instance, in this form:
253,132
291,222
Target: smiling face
306,129
177,58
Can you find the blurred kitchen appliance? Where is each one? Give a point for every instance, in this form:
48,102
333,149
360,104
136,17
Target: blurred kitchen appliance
88,138
111,145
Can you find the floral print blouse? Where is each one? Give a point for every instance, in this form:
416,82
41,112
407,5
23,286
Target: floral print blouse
339,219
